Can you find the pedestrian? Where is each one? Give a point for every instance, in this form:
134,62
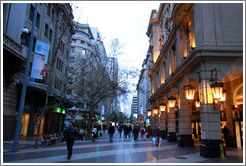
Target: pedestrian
120,130
94,133
125,131
70,134
111,132
143,131
157,134
129,129
135,132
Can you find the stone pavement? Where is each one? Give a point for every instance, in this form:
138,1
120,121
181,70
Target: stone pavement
122,150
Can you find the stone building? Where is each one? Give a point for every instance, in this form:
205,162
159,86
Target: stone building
53,20
197,73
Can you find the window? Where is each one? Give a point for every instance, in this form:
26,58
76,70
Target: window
70,69
82,61
53,15
46,31
82,42
38,20
72,59
72,49
70,80
31,12
82,33
48,10
50,36
83,52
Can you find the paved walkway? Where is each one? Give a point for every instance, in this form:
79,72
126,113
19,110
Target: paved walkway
122,150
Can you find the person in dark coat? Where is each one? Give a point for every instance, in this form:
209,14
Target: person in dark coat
111,132
125,131
135,132
120,130
70,134
129,129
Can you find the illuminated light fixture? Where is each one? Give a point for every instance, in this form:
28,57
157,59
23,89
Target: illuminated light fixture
149,112
223,98
217,89
162,107
155,110
198,104
171,101
189,92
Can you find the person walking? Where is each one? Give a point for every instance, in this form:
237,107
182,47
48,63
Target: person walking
135,132
125,131
129,129
120,130
143,131
94,134
70,134
111,132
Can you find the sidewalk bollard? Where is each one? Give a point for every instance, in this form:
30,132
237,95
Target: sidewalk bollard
222,155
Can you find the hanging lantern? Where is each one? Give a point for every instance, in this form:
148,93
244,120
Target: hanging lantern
223,98
217,89
162,107
189,92
155,110
197,103
149,112
171,101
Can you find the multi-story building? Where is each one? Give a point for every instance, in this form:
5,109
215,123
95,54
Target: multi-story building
197,73
143,92
53,22
134,109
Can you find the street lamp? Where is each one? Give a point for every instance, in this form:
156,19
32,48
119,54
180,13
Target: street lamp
149,112
171,101
189,92
25,35
155,110
198,104
223,97
217,89
162,107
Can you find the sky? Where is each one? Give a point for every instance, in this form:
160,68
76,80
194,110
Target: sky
126,20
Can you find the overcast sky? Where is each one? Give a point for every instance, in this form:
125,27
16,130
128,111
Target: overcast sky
125,20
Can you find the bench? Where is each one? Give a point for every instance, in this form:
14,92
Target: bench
59,137
47,139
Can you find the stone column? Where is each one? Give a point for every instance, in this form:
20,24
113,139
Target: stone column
171,135
210,123
163,125
185,127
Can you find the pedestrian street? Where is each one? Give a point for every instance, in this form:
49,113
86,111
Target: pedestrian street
122,150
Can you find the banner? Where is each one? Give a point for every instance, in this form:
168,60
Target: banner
39,65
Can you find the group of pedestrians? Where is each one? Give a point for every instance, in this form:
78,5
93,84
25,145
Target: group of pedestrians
70,133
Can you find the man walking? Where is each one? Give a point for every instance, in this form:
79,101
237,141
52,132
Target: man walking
70,134
111,132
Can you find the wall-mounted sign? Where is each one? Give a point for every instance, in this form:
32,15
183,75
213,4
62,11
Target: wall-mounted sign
39,65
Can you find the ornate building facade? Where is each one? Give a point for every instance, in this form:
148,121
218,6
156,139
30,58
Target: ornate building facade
197,73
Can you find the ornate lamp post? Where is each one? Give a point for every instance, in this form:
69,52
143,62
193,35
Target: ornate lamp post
171,101
217,90
155,111
189,92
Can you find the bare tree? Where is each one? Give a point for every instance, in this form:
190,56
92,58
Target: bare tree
58,46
